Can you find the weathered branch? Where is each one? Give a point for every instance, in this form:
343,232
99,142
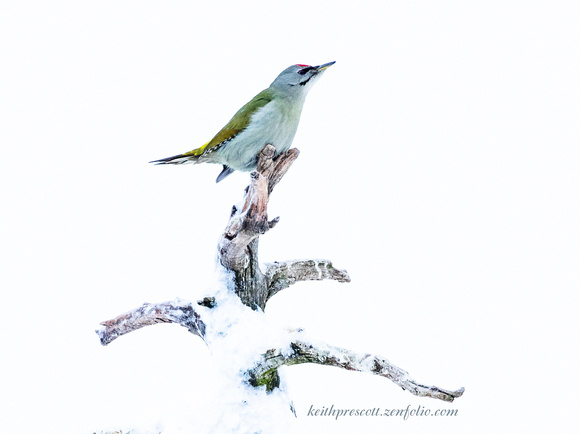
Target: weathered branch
250,220
177,311
266,370
238,254
238,246
280,275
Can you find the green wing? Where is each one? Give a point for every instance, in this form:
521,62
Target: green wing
236,125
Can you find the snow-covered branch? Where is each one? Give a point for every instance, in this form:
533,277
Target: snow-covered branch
302,352
238,255
280,275
177,311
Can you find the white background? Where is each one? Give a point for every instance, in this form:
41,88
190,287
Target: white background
439,166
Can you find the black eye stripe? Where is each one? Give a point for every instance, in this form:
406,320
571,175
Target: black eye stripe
305,70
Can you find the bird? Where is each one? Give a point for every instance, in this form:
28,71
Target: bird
271,117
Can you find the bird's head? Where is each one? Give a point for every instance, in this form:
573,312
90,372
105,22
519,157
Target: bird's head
298,79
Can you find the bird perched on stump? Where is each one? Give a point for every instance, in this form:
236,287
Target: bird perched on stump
271,117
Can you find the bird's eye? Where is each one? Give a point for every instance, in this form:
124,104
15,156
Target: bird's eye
303,71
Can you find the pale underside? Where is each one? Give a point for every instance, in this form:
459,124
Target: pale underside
275,123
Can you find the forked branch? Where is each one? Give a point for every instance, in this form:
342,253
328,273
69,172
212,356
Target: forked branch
238,254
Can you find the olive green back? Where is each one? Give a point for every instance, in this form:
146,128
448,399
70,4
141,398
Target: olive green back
236,124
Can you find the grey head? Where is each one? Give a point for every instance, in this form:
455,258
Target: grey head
297,80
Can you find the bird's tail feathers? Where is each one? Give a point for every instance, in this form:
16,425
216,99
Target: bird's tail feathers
178,159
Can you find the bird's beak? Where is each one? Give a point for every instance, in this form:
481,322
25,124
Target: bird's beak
323,67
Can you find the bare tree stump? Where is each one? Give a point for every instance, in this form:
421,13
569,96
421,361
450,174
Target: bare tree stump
238,255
